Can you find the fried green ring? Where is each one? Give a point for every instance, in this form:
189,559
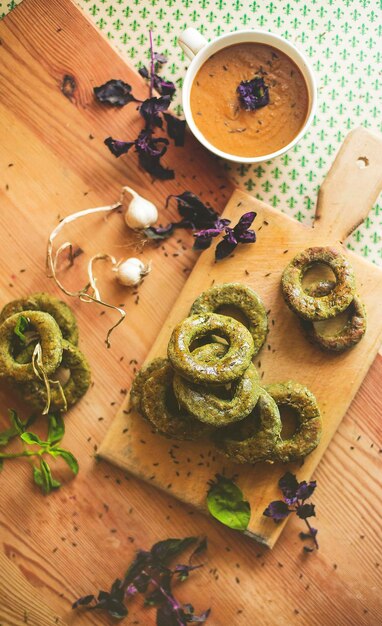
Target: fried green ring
308,433
322,307
240,297
226,369
34,392
50,338
140,379
255,438
47,303
157,408
208,407
349,335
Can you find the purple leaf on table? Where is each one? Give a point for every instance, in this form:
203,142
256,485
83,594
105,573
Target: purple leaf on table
277,510
115,92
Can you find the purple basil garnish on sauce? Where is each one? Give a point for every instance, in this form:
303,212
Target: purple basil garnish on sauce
253,94
114,92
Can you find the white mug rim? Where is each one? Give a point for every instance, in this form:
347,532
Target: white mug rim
201,57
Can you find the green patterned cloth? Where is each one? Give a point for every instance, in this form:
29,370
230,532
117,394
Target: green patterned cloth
342,38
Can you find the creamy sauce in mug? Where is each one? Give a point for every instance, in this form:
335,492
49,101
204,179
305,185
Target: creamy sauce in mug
225,124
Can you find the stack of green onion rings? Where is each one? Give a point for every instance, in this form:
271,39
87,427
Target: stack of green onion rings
255,438
51,344
155,407
349,335
240,297
47,303
213,388
39,353
316,308
209,408
226,369
74,362
140,379
308,433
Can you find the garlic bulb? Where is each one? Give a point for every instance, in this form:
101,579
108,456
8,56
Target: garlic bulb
131,271
140,213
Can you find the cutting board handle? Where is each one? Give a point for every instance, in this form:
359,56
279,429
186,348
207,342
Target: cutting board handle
351,186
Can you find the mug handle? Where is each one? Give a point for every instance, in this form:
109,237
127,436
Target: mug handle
191,41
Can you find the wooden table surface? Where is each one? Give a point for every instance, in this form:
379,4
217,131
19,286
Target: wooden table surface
82,537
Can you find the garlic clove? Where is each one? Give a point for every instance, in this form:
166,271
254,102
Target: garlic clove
132,271
140,213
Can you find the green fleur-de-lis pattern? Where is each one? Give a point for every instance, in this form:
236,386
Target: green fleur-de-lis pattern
342,38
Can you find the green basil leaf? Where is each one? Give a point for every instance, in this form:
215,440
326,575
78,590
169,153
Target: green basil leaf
1,464
37,476
7,435
22,325
32,439
17,424
225,502
56,429
46,475
67,456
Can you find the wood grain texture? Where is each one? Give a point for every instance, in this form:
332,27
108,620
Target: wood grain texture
333,378
79,539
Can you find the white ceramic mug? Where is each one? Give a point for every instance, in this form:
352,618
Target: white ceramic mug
197,48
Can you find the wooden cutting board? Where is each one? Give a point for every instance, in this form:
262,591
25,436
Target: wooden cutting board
184,468
80,538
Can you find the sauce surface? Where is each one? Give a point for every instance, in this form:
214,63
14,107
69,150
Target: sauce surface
225,124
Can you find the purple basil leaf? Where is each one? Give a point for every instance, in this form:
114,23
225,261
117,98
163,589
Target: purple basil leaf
176,128
150,145
116,609
224,249
310,535
305,510
244,222
159,232
305,489
114,92
202,243
200,619
117,147
144,72
154,598
160,58
167,617
151,108
83,601
153,166
183,571
253,94
203,238
289,485
163,86
277,510
230,236
248,237
194,210
200,549
142,560
131,590
164,551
